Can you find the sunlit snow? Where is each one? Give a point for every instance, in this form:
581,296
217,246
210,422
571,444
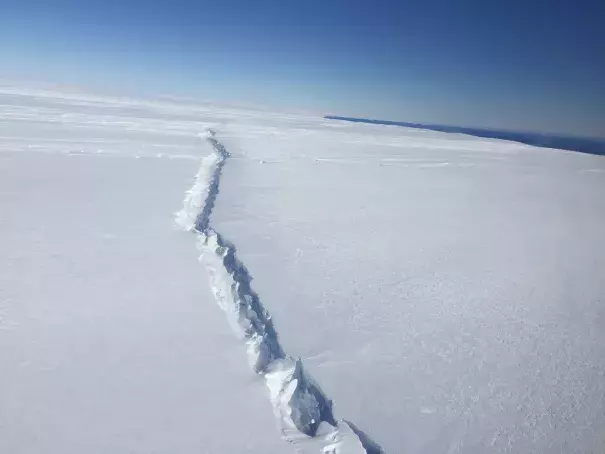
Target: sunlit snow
445,293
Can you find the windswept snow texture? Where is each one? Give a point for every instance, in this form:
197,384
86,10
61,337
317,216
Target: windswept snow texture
110,340
301,408
446,292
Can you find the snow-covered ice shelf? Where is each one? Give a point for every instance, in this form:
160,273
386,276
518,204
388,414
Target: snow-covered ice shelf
301,408
110,340
447,293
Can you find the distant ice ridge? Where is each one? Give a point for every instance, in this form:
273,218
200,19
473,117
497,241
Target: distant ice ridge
299,404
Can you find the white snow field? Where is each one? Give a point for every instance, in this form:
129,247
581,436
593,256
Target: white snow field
413,291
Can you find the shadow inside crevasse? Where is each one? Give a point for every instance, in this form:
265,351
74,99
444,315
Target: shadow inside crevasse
370,445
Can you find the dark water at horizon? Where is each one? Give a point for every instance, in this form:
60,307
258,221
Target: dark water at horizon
582,145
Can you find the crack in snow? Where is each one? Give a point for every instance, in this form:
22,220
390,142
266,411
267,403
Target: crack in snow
299,404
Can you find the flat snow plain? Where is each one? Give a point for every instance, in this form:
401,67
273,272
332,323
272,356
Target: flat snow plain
446,292
110,340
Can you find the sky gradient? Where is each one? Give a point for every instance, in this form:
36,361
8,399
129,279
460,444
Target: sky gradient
519,65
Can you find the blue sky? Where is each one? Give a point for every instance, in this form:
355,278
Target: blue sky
520,65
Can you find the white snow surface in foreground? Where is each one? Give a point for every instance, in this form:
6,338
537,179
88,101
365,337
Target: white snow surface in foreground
110,340
446,292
